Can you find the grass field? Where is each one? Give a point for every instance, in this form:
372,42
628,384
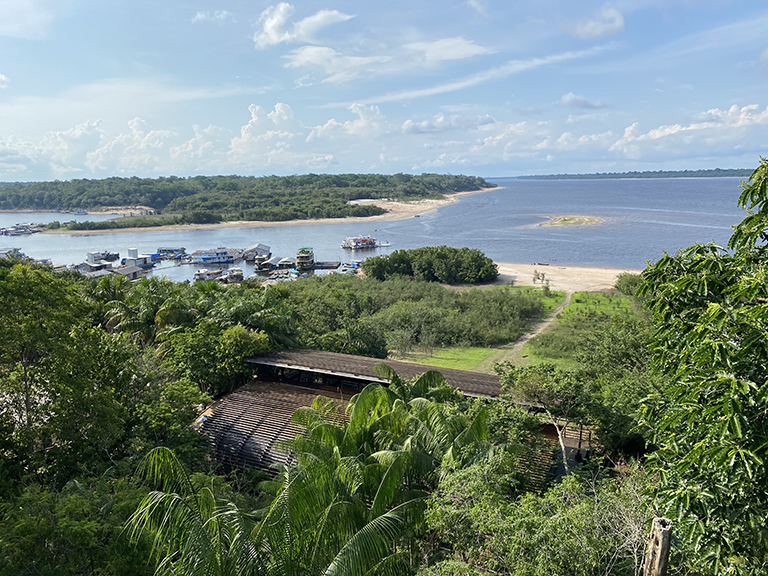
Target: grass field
470,358
559,343
456,358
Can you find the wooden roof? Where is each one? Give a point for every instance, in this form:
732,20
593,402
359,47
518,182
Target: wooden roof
362,368
248,425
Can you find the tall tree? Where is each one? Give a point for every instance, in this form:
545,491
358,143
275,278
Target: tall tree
710,307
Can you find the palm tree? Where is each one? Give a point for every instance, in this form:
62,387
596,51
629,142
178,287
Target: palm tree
349,505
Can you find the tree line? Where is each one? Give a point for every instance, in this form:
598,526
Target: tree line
711,173
268,198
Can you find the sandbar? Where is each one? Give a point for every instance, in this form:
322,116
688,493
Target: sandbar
396,210
565,278
571,221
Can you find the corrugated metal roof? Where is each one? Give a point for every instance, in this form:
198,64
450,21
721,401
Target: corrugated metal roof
248,425
362,368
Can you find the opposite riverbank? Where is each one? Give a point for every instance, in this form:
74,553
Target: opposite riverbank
396,210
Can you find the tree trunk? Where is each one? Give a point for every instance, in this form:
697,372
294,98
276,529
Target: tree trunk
560,435
27,396
657,555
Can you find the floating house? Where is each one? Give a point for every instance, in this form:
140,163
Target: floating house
130,272
143,261
271,263
305,259
257,252
214,256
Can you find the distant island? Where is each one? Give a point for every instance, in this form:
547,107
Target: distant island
716,173
212,199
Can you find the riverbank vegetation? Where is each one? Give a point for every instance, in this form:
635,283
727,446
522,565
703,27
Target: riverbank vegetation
434,264
100,472
216,198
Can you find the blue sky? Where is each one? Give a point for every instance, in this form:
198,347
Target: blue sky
488,87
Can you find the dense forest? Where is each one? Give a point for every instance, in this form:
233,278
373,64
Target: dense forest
100,472
714,173
268,198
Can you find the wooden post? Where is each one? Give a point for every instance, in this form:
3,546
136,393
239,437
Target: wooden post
657,555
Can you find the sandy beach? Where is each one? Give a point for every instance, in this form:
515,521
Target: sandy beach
565,278
395,211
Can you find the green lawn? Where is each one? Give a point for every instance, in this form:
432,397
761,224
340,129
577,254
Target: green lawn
559,342
457,358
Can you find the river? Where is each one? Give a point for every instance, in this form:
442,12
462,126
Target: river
641,220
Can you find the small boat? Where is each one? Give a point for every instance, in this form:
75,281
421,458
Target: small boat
235,275
202,274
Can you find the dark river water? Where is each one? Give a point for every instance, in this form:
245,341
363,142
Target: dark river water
642,219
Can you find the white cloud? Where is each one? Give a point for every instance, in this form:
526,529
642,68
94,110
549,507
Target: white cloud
4,81
572,100
449,49
478,5
338,67
272,25
25,18
370,123
445,123
510,68
715,128
140,150
606,22
218,16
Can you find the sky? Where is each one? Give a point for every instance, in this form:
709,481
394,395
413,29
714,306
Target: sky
91,89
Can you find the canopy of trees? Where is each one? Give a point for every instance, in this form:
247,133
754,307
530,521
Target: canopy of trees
710,424
434,264
268,198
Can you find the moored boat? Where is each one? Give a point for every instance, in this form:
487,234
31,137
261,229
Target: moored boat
362,243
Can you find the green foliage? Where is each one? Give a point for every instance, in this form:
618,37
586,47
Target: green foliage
710,427
580,526
628,283
351,504
81,405
205,199
588,311
434,264
212,356
411,314
77,530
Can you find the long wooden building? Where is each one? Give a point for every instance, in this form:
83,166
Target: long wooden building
249,425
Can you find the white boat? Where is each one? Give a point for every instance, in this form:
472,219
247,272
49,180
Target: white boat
201,274
362,243
216,256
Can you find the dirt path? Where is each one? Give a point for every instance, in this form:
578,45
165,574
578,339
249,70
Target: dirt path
513,350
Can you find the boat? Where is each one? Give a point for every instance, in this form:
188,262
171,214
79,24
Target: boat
201,274
305,259
362,243
235,275
80,212
215,256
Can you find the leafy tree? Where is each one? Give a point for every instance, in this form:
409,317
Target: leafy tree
579,526
434,264
36,310
710,425
562,396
